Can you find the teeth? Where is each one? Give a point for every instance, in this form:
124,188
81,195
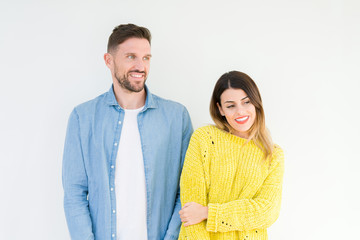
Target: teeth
135,75
241,119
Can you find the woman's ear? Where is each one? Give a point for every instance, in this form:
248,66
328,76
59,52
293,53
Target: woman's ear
220,109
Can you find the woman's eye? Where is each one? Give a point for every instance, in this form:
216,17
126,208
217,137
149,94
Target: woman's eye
230,106
247,102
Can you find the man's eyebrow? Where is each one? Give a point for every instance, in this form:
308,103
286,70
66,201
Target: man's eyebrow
130,53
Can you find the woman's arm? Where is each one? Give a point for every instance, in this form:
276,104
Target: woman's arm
243,214
193,187
259,212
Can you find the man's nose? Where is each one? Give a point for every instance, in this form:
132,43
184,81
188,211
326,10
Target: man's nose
140,65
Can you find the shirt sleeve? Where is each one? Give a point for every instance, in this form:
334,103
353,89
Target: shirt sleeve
75,184
175,222
247,214
193,187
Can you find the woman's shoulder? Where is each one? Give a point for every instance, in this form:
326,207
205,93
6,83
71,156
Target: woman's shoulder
277,154
208,130
278,149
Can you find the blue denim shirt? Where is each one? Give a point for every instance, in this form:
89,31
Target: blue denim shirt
89,164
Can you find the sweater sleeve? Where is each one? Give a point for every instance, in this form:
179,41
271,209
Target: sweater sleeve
193,187
261,211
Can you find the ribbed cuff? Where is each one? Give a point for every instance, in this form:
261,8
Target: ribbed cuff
212,223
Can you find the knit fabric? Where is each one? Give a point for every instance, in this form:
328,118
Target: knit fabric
241,189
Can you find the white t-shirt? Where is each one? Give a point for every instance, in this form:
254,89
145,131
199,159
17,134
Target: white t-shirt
130,187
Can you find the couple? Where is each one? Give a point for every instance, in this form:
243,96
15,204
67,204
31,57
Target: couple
124,158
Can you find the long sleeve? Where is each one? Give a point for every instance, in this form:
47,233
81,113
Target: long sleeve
75,184
175,222
193,187
261,211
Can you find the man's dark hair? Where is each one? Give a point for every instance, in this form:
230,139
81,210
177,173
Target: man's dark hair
123,32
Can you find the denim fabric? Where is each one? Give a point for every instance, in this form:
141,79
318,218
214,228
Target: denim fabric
89,163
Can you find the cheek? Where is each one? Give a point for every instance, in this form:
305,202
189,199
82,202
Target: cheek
253,114
229,115
229,112
253,111
147,66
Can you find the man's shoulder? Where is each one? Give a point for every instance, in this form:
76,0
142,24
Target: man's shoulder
91,106
164,103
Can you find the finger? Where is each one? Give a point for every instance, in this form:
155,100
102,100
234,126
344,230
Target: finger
187,204
187,224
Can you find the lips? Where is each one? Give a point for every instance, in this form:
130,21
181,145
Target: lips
134,75
137,74
242,120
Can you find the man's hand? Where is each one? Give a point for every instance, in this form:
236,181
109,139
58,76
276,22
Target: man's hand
193,213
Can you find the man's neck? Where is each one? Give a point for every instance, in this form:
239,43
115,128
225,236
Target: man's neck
128,99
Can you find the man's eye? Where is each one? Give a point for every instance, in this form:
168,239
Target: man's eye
130,57
146,58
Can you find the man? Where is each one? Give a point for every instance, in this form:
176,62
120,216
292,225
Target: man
124,152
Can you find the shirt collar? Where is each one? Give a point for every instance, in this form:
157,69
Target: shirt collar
149,103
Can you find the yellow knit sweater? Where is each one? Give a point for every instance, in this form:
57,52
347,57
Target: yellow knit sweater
240,188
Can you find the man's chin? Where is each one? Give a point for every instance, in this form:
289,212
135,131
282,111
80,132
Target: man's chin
136,89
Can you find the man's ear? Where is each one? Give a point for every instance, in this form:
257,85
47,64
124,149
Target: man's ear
108,58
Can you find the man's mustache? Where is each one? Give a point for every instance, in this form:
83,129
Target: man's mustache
137,71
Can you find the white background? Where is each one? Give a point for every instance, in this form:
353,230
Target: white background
304,56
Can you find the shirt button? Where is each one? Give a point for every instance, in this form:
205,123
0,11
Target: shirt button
119,122
113,235
112,166
111,189
115,144
113,211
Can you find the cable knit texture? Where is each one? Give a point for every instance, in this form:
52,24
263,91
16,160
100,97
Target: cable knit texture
241,189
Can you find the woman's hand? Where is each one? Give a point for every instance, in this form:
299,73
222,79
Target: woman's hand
193,213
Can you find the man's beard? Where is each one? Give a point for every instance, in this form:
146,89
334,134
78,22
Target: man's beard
125,83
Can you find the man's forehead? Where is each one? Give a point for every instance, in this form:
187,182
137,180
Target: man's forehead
136,44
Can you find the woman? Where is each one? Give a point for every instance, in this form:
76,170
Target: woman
231,182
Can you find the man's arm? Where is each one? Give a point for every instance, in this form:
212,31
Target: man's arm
75,184
175,222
